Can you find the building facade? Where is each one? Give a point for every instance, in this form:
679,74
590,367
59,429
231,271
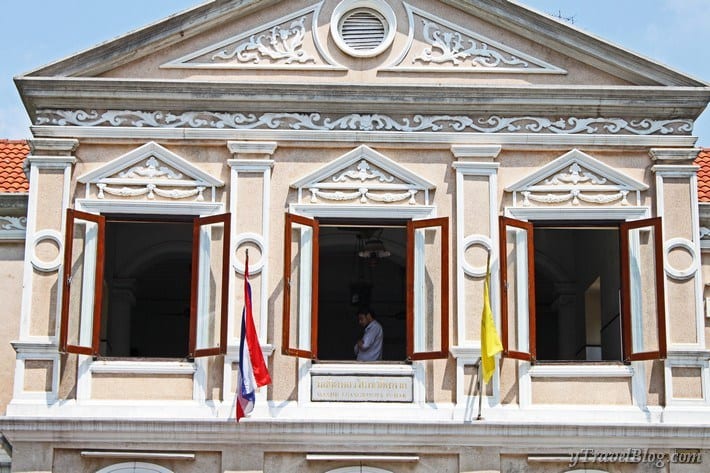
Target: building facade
368,154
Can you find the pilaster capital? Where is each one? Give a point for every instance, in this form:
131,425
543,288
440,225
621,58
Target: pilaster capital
673,155
53,146
50,162
255,148
675,170
476,152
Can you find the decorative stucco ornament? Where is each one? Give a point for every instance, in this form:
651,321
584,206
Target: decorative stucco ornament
364,122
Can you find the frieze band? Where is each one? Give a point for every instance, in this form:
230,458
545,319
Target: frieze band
363,122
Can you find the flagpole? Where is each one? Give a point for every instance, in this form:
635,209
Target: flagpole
479,365
480,359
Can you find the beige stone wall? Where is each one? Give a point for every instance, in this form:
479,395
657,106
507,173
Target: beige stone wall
687,383
11,269
71,461
277,462
581,391
294,160
141,387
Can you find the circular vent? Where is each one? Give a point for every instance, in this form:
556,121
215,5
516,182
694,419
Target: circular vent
363,28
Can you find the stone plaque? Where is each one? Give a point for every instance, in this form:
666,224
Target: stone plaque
361,388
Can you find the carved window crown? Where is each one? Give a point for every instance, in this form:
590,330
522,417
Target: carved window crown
149,171
364,176
575,178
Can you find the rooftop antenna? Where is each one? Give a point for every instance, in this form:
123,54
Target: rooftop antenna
560,16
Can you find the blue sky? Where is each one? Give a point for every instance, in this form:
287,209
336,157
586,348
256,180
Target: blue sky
37,32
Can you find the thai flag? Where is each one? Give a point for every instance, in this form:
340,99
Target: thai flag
253,372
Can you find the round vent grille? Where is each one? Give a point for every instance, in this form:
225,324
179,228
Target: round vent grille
363,29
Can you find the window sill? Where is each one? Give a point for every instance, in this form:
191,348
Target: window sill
142,367
581,371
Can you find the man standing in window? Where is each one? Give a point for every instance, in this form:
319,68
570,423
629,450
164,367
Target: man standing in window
369,347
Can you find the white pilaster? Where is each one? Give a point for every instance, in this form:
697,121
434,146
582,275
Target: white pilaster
474,160
250,157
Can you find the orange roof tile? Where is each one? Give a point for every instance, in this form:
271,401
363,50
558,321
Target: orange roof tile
12,157
703,160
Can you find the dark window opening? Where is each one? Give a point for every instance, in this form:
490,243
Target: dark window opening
577,293
146,306
361,266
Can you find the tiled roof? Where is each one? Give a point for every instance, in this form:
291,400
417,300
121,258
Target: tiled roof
703,160
12,157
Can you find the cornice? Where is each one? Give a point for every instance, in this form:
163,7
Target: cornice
140,94
359,433
14,202
53,146
439,139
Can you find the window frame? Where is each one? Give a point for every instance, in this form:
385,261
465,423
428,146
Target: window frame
197,222
625,226
504,222
100,220
412,225
286,348
627,335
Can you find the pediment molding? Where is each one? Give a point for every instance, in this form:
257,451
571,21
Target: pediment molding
573,178
150,170
286,42
366,176
436,44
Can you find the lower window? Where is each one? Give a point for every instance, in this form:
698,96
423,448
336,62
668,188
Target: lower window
582,291
145,286
361,268
577,285
333,268
146,309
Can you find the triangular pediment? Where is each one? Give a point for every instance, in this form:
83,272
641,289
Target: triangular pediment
573,177
286,42
364,175
150,170
296,35
437,43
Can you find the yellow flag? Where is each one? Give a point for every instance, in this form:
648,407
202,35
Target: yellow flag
490,341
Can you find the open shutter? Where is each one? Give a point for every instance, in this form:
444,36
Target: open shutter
517,282
643,296
210,286
300,310
428,289
83,275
